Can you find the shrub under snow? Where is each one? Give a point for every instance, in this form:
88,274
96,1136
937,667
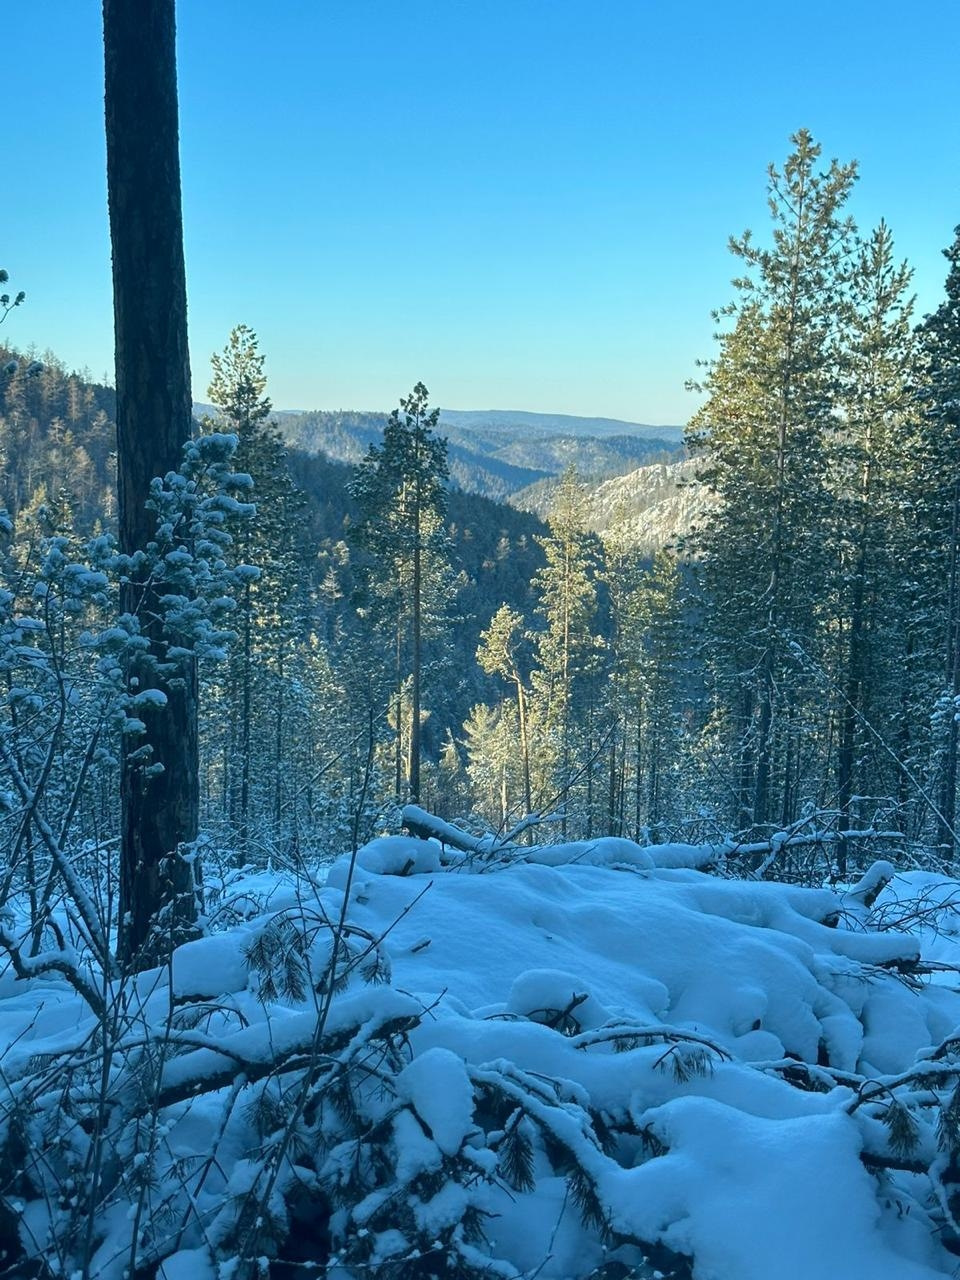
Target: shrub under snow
583,1060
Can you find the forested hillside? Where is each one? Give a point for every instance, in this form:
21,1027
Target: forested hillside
58,433
793,667
498,453
654,508
59,444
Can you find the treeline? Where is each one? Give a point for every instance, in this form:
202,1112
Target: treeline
290,707
391,637
828,573
542,664
803,656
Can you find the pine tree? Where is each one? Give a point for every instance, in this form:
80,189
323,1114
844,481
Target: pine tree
270,605
567,649
871,457
940,337
490,735
400,489
771,396
7,300
160,804
499,654
654,625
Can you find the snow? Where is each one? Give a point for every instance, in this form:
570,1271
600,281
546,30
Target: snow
188,1264
803,1204
211,966
587,980
439,1088
398,856
553,997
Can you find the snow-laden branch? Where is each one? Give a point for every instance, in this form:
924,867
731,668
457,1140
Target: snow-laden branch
288,1045
95,936
63,961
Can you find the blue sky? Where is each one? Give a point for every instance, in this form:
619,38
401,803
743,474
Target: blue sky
523,203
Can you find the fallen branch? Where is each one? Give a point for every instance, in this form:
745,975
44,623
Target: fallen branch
292,1047
63,962
425,826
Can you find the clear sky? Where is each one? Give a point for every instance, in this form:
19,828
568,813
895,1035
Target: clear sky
523,203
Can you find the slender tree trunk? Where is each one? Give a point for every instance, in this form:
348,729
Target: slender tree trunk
524,745
589,831
791,766
767,684
856,661
159,809
415,673
398,754
278,745
612,757
246,713
745,765
622,784
655,754
946,823
637,769
846,750
904,738
761,786
565,752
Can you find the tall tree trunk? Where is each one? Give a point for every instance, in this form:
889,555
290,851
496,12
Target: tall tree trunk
846,750
745,760
638,769
946,822
415,674
565,755
159,808
278,744
767,683
246,712
612,757
524,745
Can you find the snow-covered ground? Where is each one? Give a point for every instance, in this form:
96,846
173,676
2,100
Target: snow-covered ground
584,1060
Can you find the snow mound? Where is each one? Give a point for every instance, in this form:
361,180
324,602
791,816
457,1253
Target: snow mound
542,1063
210,967
442,1096
391,856
557,1000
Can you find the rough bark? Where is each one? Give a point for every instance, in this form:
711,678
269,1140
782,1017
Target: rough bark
159,810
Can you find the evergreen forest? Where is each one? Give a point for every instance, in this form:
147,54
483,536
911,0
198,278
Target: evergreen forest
410,869
794,650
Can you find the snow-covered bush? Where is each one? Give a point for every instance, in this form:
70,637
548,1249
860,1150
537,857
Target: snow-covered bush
580,1061
65,650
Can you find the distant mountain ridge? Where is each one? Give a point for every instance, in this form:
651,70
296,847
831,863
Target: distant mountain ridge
493,452
560,424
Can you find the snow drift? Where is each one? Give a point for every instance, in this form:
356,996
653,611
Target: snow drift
575,1061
